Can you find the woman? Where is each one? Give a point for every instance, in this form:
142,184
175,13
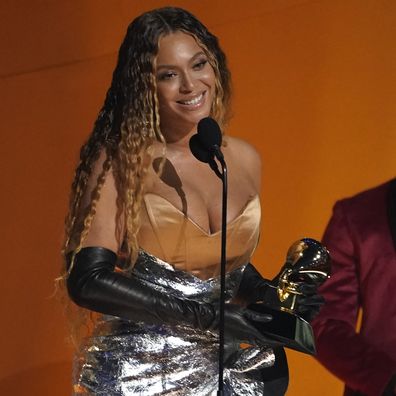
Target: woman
143,238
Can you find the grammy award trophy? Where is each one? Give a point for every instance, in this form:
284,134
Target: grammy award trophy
307,263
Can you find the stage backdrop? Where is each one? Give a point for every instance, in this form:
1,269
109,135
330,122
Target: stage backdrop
315,92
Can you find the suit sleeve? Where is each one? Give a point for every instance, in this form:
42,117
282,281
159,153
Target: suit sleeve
339,347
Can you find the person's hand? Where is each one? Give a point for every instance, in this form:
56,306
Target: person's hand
239,328
309,302
239,325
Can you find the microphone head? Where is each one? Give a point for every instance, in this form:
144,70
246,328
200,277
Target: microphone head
198,150
209,133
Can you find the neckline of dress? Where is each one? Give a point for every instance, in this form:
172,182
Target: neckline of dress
191,221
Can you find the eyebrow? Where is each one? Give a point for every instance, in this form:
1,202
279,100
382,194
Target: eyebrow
191,60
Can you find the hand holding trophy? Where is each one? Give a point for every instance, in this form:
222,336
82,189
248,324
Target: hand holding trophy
294,289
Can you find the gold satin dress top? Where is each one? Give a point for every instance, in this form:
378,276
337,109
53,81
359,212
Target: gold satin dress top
172,236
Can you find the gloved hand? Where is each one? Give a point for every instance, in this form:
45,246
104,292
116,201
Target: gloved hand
254,288
93,284
242,330
240,325
309,302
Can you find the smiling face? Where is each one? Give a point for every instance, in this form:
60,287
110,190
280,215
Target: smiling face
185,84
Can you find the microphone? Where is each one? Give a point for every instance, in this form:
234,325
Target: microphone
205,145
200,152
209,134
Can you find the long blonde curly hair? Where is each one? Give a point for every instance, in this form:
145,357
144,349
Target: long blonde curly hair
128,125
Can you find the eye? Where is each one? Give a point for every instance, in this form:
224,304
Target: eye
166,75
200,64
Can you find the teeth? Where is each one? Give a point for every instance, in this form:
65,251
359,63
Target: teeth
192,101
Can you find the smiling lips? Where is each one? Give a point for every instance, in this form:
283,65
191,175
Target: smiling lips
193,103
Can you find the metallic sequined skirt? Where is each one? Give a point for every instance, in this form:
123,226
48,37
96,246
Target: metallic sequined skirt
123,358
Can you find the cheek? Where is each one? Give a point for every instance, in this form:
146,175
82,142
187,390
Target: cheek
209,79
166,93
163,98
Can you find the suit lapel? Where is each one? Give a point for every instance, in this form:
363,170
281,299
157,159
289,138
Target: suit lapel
392,209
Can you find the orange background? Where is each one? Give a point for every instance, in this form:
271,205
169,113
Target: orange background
315,92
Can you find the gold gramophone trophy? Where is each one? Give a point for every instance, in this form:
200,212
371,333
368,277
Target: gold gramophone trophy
307,263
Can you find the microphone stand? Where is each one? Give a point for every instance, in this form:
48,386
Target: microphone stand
208,154
220,157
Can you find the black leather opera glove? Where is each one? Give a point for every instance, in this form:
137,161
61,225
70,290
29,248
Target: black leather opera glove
93,284
310,302
254,288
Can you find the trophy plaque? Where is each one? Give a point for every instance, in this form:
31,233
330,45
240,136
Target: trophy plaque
307,263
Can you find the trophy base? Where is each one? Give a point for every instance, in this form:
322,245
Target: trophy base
289,329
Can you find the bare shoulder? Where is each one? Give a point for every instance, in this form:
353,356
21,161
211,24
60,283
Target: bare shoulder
239,148
245,158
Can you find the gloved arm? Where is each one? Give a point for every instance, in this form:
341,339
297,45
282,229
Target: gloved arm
93,284
254,288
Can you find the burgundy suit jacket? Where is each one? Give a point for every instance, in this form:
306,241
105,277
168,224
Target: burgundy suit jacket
363,251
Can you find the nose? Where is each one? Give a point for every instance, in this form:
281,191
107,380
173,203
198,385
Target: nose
187,83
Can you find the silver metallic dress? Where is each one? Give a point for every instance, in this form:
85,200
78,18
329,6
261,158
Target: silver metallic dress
123,358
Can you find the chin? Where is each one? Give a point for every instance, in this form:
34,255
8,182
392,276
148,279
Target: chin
185,120
195,118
